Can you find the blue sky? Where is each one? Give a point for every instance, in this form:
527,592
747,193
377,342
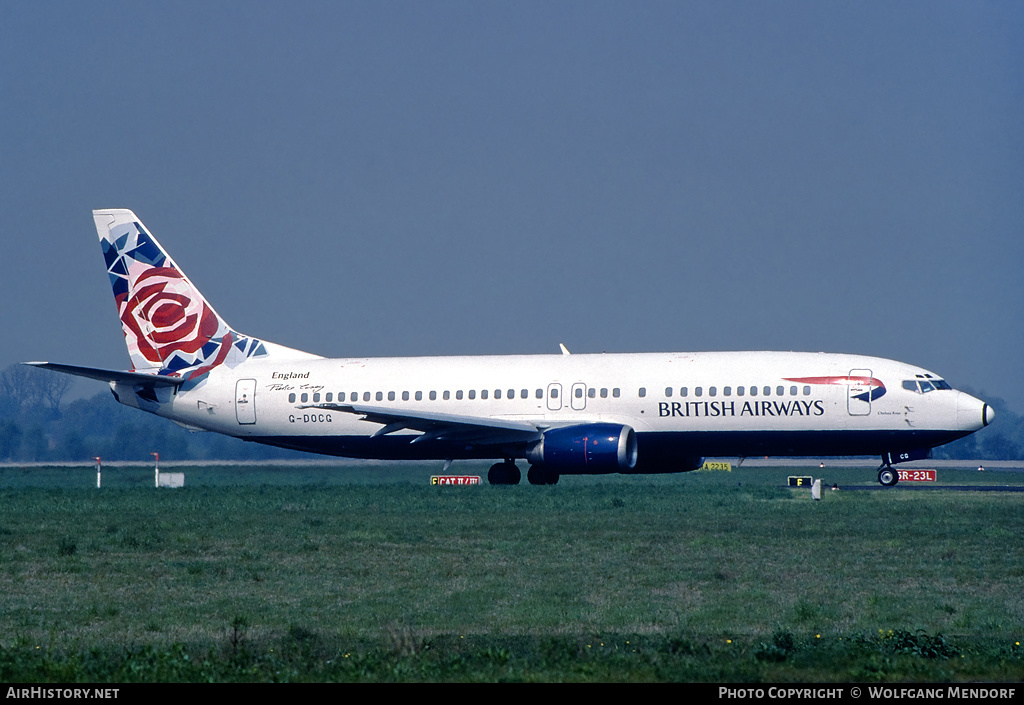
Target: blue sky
403,178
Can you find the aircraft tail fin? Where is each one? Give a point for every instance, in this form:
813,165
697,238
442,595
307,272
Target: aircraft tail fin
169,327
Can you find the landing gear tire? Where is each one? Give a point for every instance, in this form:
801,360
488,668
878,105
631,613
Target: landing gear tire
539,475
887,477
504,474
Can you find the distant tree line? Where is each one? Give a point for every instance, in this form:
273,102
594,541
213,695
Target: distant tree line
1003,440
37,425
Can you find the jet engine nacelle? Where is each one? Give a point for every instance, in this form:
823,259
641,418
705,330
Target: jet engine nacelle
588,449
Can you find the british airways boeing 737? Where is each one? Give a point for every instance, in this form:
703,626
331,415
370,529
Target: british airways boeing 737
564,414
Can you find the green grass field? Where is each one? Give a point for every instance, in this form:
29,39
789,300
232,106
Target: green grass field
369,573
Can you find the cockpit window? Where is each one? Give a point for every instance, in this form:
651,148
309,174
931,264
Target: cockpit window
924,384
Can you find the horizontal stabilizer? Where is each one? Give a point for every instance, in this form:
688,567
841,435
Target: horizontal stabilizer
141,378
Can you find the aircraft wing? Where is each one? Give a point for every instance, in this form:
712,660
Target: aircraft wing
435,426
143,378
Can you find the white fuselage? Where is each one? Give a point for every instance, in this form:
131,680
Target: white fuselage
683,404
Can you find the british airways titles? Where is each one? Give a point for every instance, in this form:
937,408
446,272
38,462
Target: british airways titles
795,407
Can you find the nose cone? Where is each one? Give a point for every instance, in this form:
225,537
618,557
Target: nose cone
972,414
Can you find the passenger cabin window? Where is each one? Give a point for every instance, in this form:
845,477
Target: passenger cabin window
642,392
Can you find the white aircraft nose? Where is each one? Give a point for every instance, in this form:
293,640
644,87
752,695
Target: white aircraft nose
972,414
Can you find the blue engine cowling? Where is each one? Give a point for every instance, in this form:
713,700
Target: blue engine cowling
589,449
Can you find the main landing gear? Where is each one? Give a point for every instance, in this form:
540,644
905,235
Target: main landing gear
506,473
539,475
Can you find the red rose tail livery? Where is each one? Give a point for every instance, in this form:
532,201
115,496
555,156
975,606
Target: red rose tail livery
169,328
563,414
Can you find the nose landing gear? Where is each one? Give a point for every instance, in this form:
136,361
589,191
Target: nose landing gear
887,477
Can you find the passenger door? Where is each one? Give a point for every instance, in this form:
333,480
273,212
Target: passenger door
858,394
245,401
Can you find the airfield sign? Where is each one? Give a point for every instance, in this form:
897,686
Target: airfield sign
461,480
917,475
